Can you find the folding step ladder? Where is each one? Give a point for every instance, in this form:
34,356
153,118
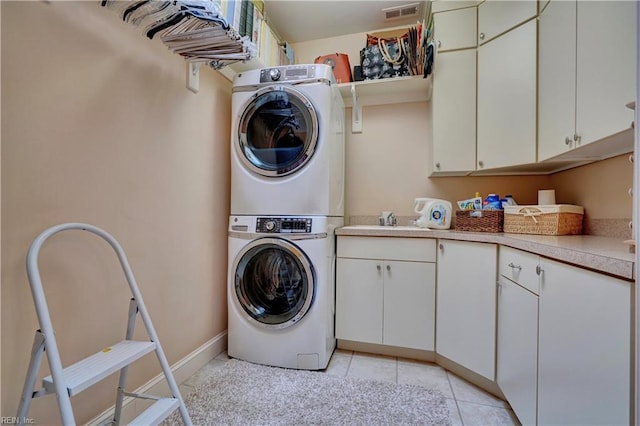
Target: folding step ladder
69,381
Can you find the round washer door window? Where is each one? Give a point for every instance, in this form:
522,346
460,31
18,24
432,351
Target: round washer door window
278,131
274,282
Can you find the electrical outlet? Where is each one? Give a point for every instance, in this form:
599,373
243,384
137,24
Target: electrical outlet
193,76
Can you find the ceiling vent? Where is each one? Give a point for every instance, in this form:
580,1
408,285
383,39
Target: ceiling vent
404,11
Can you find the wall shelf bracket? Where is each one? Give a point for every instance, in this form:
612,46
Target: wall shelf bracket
356,112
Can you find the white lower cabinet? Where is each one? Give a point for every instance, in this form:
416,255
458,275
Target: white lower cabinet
517,358
385,291
517,373
466,300
584,353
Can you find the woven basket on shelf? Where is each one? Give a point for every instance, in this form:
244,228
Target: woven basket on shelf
479,220
560,219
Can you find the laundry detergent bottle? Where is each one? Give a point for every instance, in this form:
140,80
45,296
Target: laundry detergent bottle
434,213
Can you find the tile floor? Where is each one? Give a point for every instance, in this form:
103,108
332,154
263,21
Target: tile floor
468,404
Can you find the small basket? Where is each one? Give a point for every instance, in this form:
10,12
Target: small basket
479,220
557,219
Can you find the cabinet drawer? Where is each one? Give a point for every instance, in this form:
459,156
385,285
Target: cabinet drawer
520,267
391,248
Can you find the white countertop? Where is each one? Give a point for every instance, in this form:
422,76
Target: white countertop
602,254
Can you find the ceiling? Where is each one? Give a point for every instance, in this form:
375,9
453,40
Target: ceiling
304,20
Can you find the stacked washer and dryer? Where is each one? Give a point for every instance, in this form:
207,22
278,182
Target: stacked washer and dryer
287,199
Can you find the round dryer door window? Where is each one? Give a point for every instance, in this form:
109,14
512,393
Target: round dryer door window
278,131
274,282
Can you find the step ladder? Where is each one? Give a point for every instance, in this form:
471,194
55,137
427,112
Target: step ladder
69,381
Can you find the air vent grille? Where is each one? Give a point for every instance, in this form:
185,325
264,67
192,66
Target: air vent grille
403,11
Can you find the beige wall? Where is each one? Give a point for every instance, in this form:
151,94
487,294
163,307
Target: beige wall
387,165
601,187
98,127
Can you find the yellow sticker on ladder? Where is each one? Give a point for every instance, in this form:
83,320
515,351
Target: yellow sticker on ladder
107,349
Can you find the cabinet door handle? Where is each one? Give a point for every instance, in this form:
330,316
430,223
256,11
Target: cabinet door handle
539,270
439,44
388,268
577,138
441,247
567,141
512,266
481,163
481,36
438,166
379,268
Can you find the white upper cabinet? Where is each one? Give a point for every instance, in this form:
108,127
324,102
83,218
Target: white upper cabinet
454,113
557,78
507,76
587,76
455,29
454,93
498,16
606,72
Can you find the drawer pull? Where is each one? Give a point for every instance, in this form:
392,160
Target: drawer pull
512,266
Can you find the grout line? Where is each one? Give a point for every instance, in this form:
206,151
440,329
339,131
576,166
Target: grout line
349,364
455,398
397,368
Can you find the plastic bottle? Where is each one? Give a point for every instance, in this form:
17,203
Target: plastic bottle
492,202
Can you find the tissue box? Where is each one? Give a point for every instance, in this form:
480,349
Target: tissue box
479,220
555,219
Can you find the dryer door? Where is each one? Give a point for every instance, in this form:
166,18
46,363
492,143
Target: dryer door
274,282
278,131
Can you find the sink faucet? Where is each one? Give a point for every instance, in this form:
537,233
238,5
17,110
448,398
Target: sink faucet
388,219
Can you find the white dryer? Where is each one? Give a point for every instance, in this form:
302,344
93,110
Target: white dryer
281,290
287,137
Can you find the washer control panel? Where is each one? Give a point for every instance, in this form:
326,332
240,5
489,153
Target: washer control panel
283,225
287,73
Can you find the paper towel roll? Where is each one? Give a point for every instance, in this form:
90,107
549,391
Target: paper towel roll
546,197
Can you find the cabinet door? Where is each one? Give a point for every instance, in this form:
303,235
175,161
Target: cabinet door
466,301
584,359
359,300
455,29
507,99
557,78
454,112
517,356
497,16
409,304
606,72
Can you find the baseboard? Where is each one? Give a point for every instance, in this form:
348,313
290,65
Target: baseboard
182,370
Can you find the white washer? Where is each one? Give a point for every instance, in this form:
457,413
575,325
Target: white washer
287,137
281,290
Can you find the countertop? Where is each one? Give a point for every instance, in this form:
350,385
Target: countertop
601,254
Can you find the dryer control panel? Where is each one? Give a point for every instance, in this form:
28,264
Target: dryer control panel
287,73
283,225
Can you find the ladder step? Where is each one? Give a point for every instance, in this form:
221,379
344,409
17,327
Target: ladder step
96,367
160,410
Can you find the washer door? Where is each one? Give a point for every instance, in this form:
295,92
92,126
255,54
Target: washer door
278,131
274,282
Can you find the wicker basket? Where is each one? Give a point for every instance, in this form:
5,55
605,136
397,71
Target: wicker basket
479,220
558,219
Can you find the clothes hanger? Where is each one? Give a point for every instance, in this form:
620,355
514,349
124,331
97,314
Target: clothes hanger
182,14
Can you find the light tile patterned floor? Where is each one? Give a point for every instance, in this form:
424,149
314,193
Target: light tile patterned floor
468,404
